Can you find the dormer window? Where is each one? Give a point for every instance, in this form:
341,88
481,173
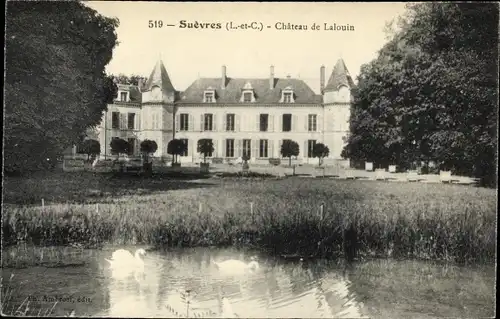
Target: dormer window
247,97
287,95
209,95
124,96
247,94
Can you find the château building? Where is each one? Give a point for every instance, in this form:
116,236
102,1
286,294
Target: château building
240,115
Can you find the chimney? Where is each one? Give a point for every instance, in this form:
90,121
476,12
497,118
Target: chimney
271,78
223,77
322,78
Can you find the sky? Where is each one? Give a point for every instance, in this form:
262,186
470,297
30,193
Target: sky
189,53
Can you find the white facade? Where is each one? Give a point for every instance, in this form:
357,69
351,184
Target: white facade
229,111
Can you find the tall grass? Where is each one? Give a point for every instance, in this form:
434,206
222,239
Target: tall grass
441,222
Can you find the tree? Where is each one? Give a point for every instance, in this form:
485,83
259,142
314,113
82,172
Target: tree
119,146
320,151
90,147
431,94
205,147
55,81
176,147
132,80
147,148
288,149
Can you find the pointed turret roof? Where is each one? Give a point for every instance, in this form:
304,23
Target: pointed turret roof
159,77
340,76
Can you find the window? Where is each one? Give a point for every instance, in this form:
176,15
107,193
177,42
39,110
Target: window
247,97
230,122
312,122
184,122
230,148
185,141
209,97
131,121
208,122
263,148
123,96
115,120
310,147
247,148
264,119
131,146
287,97
287,122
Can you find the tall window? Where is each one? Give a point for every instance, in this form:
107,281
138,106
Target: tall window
264,122
312,123
185,141
209,97
230,148
263,148
131,121
287,122
184,122
247,144
247,97
115,120
287,97
123,96
131,146
310,146
208,122
230,122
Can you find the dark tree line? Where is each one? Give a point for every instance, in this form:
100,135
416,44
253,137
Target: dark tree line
55,83
431,95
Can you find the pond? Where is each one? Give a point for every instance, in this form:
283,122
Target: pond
187,283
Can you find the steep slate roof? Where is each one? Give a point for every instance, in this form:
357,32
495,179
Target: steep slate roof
340,76
135,95
263,93
159,76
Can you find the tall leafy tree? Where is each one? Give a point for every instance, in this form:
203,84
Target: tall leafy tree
55,84
431,94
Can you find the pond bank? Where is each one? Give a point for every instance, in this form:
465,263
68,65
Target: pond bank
323,218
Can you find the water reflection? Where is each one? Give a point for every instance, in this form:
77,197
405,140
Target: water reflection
181,284
184,283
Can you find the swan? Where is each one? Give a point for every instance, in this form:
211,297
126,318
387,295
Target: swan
122,259
236,266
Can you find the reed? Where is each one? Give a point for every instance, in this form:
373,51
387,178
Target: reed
363,218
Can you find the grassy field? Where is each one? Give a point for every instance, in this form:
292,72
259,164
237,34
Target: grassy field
290,216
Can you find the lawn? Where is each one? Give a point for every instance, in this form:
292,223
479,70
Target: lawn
321,217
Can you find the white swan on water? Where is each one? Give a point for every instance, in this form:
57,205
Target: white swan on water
123,260
233,266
